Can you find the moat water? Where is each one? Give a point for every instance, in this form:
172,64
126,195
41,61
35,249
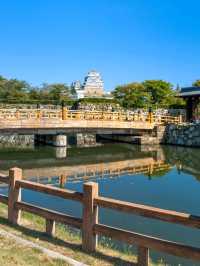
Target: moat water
167,177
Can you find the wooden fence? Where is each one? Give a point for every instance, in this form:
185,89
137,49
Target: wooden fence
89,224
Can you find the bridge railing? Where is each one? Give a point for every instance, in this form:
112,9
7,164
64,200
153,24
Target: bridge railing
163,119
64,114
89,223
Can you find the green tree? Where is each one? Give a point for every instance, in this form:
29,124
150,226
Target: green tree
59,92
132,95
35,94
196,83
13,89
161,92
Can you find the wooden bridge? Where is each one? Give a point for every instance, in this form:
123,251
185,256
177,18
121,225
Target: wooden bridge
89,224
35,119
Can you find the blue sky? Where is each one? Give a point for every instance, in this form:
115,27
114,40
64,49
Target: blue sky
126,40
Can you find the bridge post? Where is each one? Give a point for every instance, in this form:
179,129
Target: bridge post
38,114
60,140
17,114
64,113
150,116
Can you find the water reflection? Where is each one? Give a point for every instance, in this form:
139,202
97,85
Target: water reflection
111,160
78,163
185,159
61,152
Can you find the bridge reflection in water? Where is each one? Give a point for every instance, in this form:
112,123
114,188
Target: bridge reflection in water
61,175
60,165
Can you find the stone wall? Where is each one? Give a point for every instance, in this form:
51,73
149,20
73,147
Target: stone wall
16,140
84,140
106,107
184,135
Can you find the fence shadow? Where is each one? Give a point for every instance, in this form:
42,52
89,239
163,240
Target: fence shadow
59,242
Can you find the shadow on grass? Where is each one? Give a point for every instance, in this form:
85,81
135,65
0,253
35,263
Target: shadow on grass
59,242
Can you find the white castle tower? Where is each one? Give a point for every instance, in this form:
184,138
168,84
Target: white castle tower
93,85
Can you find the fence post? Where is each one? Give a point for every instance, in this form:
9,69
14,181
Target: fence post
90,216
14,195
143,256
50,227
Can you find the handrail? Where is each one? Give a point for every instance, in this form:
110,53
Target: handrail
49,214
63,193
170,247
64,114
149,211
4,178
4,199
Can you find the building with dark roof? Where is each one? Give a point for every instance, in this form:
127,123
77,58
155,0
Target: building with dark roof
192,97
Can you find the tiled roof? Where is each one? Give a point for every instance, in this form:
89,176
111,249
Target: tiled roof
190,91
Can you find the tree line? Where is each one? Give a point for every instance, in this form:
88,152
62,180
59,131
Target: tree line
149,93
18,91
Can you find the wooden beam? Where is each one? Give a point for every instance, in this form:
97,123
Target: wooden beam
48,214
54,191
154,243
4,179
4,199
150,212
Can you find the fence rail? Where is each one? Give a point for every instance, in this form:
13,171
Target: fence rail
149,212
89,224
63,193
65,114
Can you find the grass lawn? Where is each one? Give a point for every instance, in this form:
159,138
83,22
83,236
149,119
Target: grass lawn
66,242
13,254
